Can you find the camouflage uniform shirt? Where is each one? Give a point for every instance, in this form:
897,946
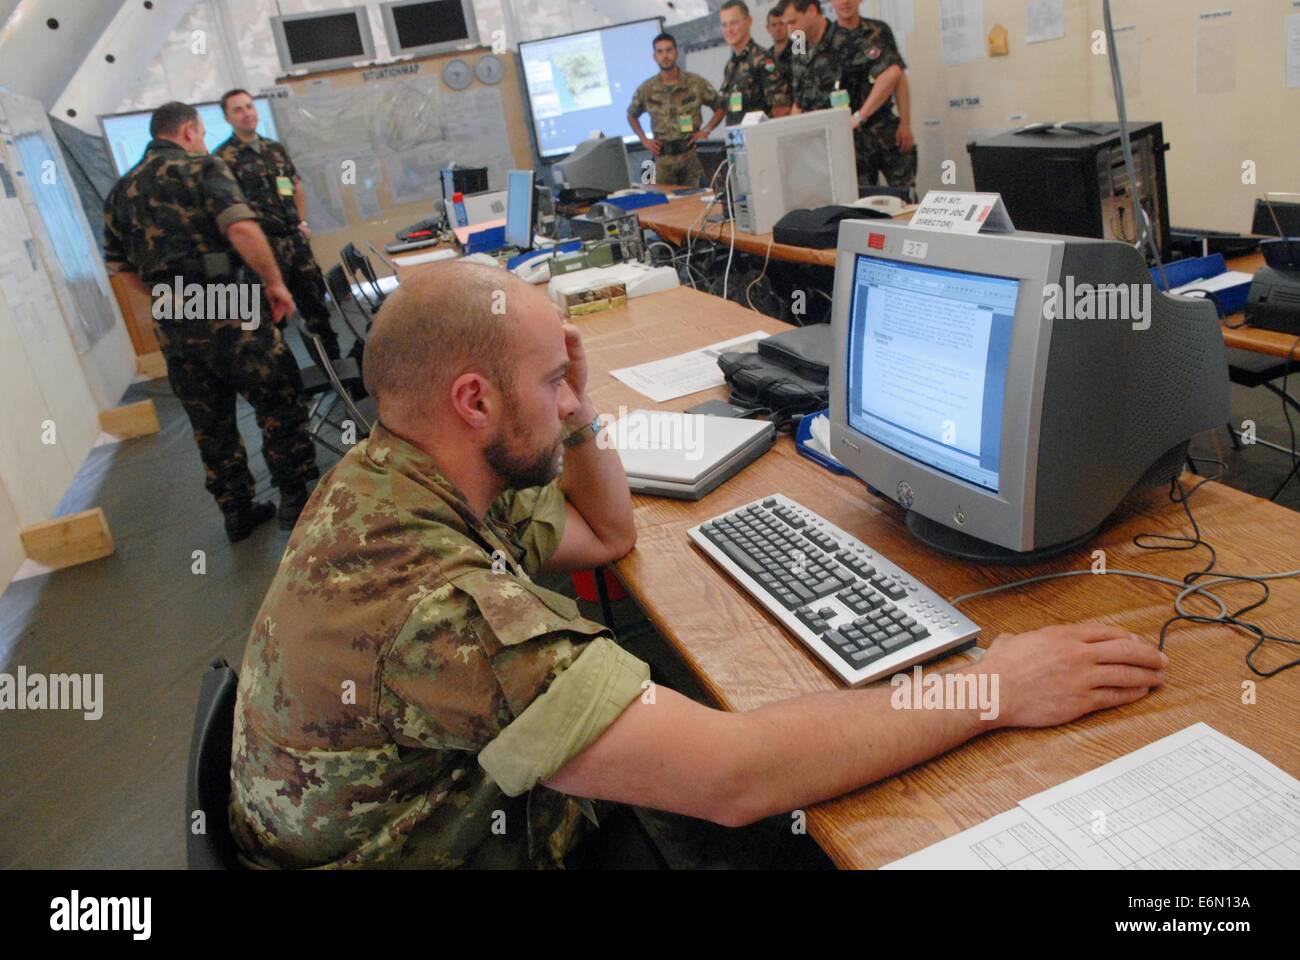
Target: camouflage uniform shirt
676,110
754,78
406,686
815,73
873,52
267,176
168,215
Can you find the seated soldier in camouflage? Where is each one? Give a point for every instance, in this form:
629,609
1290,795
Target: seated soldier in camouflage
409,697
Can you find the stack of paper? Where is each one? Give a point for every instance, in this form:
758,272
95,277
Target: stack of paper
1196,800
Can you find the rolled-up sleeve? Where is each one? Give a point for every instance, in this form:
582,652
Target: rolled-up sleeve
570,716
538,516
225,199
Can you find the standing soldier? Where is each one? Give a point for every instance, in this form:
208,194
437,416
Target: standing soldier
817,59
274,191
780,49
176,219
751,80
674,100
875,73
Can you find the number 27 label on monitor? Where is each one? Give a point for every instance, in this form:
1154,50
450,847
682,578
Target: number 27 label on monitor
916,249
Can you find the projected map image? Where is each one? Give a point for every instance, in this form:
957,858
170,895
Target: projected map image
581,71
581,83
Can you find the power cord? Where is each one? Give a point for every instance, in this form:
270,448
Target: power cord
1188,586
1145,237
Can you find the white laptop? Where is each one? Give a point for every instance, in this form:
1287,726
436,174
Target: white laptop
684,455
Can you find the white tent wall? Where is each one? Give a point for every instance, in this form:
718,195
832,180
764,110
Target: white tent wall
64,351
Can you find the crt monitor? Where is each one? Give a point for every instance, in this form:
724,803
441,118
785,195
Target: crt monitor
519,209
598,164
1009,391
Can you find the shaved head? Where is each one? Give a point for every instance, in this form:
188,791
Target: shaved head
439,324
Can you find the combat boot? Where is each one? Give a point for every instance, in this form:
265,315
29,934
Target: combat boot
241,521
291,503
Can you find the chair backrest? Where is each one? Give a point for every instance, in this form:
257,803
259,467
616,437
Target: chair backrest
359,265
340,291
336,381
207,778
336,282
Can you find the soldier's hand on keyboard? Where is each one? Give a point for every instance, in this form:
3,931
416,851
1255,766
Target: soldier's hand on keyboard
1056,674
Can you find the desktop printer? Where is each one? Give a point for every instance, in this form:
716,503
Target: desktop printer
1274,300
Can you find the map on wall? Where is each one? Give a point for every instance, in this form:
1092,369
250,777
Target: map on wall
385,141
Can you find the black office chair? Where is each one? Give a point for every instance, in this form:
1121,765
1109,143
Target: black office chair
362,275
207,778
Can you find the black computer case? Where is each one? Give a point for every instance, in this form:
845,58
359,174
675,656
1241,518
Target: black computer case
1070,179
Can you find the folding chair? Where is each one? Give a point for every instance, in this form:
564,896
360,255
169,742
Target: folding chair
362,274
337,373
1251,370
340,290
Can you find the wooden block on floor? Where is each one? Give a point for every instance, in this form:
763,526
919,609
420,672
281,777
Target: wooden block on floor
68,541
152,365
133,420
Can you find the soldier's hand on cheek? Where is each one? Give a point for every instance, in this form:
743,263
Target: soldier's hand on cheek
577,375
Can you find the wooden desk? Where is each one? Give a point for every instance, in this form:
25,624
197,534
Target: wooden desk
745,659
673,219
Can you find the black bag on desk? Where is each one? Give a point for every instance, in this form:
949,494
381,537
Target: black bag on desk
819,228
788,375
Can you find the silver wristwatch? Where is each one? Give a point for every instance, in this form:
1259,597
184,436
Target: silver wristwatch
583,433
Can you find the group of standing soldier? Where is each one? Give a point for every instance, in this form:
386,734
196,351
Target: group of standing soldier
183,216
815,63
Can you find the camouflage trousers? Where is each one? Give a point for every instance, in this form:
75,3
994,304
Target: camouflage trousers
877,153
207,366
685,169
303,278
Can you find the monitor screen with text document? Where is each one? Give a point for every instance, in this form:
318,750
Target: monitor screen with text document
928,367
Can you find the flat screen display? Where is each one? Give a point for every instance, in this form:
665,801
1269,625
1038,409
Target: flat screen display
327,37
127,134
581,83
423,24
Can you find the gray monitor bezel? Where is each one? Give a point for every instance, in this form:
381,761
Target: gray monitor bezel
1005,518
532,212
428,49
282,44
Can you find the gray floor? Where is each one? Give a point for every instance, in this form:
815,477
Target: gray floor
109,793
